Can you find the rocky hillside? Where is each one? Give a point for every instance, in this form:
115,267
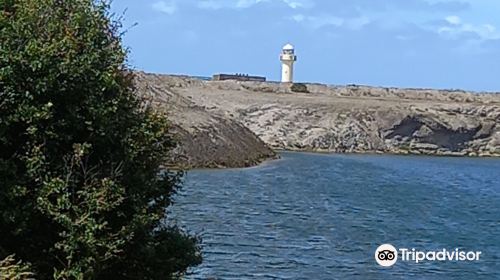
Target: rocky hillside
354,119
206,139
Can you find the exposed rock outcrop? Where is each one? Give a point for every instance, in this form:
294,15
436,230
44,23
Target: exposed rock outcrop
206,139
355,119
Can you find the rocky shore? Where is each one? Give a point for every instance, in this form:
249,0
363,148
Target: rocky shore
233,124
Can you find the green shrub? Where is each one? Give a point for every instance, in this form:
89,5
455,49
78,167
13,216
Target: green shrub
12,270
298,87
82,191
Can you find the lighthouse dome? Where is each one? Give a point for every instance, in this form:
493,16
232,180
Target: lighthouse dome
288,47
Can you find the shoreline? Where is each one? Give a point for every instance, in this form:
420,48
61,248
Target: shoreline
406,153
322,153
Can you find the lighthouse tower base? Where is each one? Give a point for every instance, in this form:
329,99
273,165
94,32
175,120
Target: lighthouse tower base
287,72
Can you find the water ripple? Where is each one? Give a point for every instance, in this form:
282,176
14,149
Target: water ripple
322,216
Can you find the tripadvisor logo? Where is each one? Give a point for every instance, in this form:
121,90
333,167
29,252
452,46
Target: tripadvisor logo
387,255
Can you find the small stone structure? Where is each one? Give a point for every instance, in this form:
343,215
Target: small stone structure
238,77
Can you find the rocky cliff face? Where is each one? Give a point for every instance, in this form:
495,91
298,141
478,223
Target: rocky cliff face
206,139
355,119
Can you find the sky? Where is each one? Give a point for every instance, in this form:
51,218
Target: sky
449,44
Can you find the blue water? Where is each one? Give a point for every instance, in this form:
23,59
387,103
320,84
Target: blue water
323,216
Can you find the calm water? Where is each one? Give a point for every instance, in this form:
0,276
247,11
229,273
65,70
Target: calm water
322,217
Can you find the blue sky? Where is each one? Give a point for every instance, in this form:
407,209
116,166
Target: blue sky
405,43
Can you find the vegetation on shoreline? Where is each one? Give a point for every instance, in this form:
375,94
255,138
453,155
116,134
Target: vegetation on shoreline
82,191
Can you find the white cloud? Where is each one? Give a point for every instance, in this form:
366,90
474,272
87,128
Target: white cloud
221,4
454,20
358,22
295,4
299,18
243,4
167,7
248,3
316,22
456,27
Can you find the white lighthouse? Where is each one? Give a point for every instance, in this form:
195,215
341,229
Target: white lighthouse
287,58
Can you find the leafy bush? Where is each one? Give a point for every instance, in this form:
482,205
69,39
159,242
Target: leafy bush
298,87
12,270
82,191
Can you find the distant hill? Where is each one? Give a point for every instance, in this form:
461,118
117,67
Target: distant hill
321,118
